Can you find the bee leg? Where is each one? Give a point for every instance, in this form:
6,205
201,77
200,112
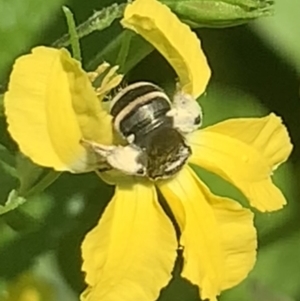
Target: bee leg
124,158
104,168
186,113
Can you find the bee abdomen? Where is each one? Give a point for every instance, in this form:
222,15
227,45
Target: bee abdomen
130,94
139,109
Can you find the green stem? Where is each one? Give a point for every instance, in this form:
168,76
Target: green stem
98,21
74,39
46,181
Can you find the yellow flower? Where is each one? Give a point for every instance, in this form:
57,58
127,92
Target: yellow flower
129,256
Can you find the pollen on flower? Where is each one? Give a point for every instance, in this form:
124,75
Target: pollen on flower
100,69
105,78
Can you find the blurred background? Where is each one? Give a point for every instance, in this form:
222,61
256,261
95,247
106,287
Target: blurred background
255,69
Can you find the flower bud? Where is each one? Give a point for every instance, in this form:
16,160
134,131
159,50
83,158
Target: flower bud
219,13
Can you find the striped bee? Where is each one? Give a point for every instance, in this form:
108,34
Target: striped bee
154,128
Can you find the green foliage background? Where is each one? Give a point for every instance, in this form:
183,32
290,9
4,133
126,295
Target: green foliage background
255,70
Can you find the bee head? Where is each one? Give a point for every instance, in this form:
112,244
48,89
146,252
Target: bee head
166,153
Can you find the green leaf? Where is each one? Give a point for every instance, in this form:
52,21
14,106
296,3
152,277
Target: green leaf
13,202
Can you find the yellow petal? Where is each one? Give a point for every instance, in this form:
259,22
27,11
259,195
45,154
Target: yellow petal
50,105
258,131
94,122
156,23
245,152
218,237
130,254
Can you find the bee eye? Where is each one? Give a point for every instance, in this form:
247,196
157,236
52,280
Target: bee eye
197,120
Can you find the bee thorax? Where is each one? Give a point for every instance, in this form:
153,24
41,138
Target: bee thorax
166,153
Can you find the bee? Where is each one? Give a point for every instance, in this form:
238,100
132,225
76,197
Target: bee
154,128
